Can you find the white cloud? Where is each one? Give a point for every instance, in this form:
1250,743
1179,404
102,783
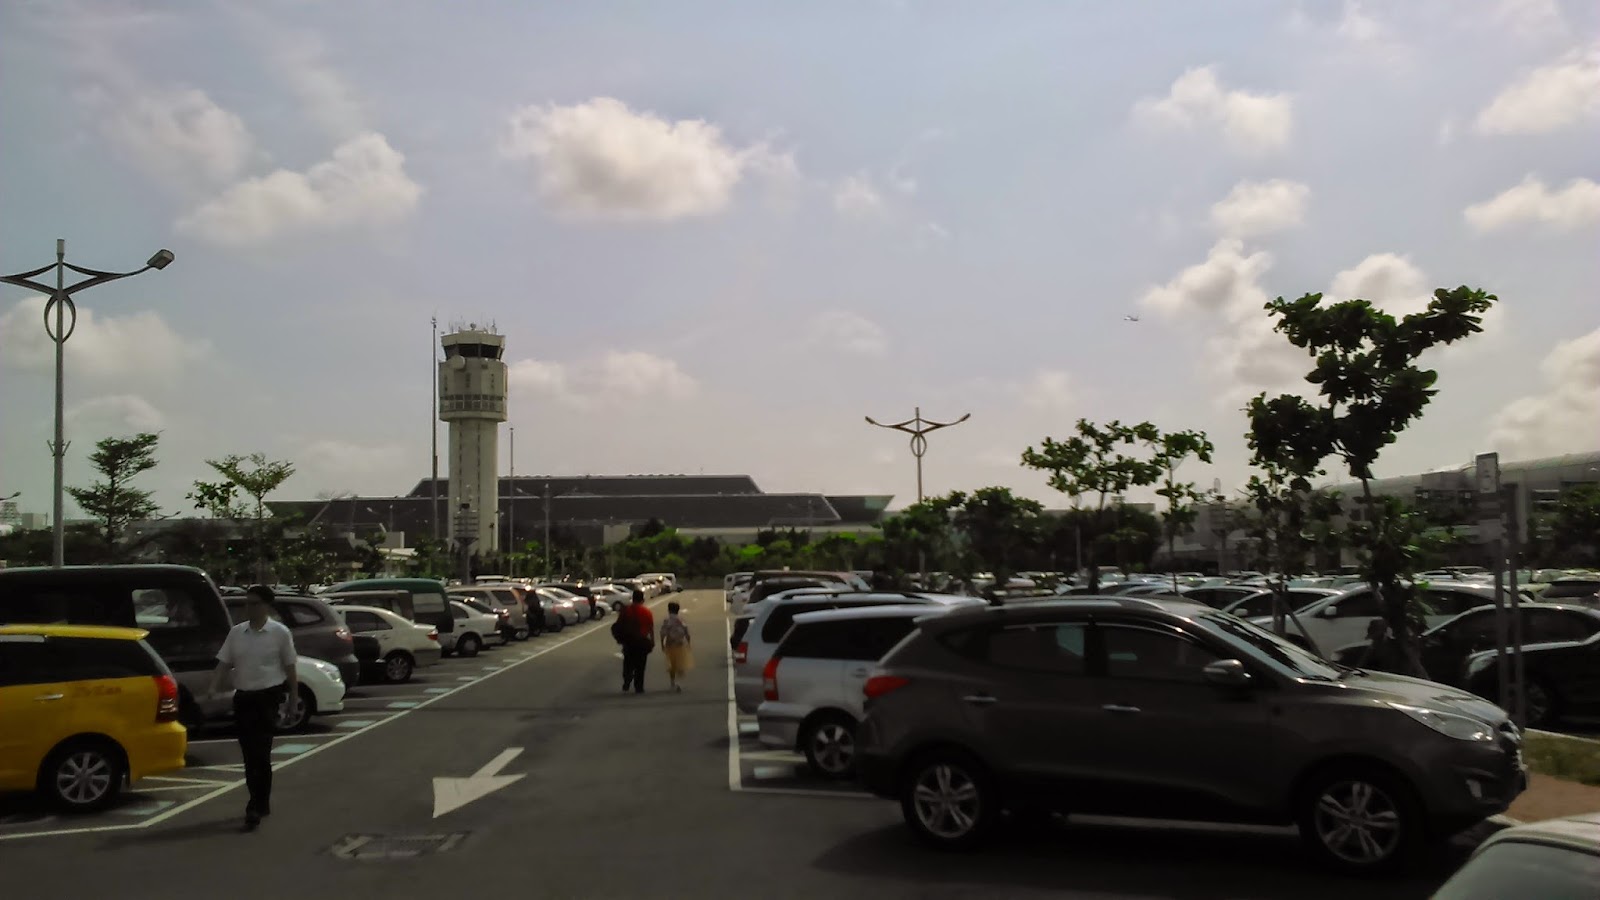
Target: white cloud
616,377
1256,208
1528,19
115,414
855,197
1048,389
1547,98
1252,356
1530,202
1250,123
132,347
327,97
1226,283
1391,281
364,183
849,332
180,136
1565,416
602,160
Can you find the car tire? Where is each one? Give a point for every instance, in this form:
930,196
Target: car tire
942,783
560,624
189,714
521,634
829,742
83,776
308,706
397,667
1359,819
468,645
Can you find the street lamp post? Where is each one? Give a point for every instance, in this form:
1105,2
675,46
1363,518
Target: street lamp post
919,428
66,321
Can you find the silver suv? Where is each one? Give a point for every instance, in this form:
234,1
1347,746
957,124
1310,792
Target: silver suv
1167,709
812,684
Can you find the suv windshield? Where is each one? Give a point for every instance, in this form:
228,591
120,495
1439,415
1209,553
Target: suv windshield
1266,644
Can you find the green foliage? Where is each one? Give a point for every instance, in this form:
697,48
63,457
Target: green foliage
253,477
1575,531
921,535
112,501
1182,499
998,527
1288,524
1369,388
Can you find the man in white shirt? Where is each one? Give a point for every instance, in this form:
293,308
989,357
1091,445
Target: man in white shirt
260,654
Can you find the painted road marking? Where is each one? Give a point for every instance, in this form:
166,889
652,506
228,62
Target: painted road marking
466,678
154,806
198,781
735,775
225,788
292,748
749,727
404,704
437,691
356,723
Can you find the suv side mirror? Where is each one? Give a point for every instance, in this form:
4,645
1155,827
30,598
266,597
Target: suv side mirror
1329,612
1226,673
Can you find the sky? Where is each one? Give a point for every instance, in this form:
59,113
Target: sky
718,235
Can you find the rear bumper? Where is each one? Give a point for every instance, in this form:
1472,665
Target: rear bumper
747,693
426,656
349,670
156,750
780,724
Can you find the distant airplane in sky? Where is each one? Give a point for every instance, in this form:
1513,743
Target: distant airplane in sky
1130,318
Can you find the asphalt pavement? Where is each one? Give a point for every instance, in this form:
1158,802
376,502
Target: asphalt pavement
527,770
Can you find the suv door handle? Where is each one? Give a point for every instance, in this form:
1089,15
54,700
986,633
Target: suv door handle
979,699
43,697
1119,708
858,672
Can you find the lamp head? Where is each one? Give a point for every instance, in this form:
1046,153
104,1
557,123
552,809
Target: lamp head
161,260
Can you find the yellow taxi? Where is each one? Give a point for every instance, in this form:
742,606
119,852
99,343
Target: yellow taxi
84,709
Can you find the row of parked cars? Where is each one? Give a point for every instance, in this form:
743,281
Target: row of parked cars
105,670
964,710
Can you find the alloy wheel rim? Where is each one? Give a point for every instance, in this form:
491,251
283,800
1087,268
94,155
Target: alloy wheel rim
84,777
834,748
946,801
397,667
1358,822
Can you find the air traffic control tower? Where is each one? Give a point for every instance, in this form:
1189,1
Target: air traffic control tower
472,401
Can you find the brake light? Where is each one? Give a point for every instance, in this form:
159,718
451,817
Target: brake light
741,653
433,635
878,685
769,679
166,698
343,634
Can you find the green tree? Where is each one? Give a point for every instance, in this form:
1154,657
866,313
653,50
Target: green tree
1283,527
254,476
1369,388
1575,530
113,501
998,525
920,536
1182,499
1092,463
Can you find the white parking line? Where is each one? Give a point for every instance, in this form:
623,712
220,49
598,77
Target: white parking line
735,778
278,767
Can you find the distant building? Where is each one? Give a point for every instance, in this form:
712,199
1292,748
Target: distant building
603,509
472,400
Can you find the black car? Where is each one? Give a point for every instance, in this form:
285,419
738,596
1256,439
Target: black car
317,631
1561,656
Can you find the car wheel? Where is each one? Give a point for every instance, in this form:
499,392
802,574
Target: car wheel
300,719
829,743
83,777
468,645
560,624
1541,705
948,800
521,634
1359,819
397,668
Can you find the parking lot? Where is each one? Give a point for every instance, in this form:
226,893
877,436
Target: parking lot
213,761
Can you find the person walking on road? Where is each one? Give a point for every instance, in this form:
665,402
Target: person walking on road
635,630
675,645
259,652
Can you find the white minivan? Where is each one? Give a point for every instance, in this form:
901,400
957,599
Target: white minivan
812,685
768,626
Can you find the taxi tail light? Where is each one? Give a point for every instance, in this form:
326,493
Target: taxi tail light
769,679
741,653
166,698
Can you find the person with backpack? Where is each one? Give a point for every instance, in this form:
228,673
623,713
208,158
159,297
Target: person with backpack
675,645
635,631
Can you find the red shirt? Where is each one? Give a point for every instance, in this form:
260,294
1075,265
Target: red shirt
642,619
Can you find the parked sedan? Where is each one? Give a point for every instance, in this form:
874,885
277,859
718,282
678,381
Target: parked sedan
321,691
475,629
581,593
1341,619
403,645
564,605
613,595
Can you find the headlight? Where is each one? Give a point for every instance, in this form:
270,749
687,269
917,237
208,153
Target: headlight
1462,728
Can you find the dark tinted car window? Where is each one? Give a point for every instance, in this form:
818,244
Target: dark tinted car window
1450,603
73,659
1549,626
301,615
364,621
1520,869
781,617
1059,649
1570,589
1475,631
861,640
1364,604
740,626
1148,653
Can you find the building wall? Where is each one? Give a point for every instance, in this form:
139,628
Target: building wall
472,401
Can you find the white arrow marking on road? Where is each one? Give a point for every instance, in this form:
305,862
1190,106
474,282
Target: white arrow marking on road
451,794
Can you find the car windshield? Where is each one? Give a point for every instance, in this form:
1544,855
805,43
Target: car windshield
1265,644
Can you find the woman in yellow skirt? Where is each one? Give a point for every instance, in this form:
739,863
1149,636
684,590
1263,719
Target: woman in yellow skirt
675,645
